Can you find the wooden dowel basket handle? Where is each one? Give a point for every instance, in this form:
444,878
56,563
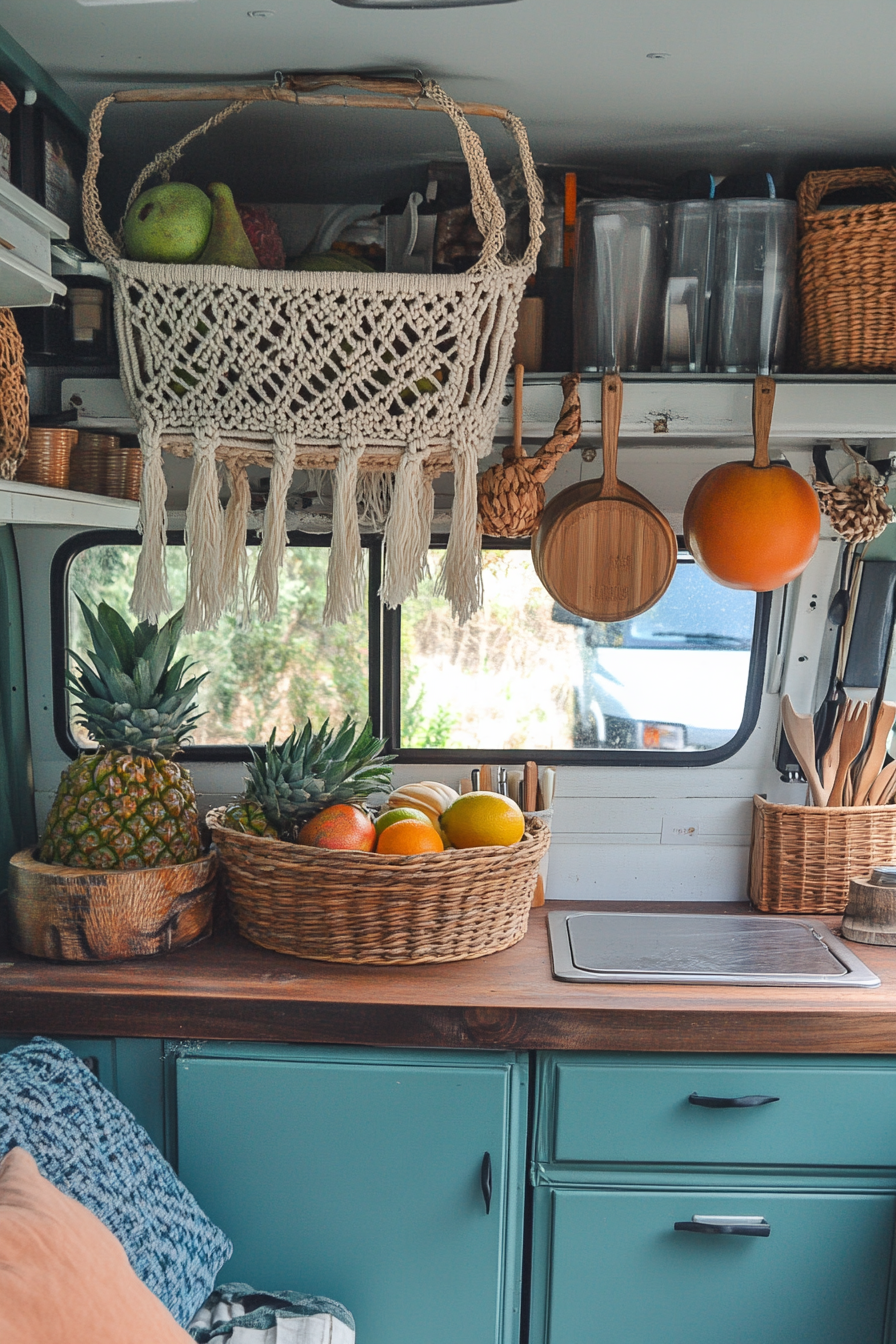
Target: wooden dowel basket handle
406,95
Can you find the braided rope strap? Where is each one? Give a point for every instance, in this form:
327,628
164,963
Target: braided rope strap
293,369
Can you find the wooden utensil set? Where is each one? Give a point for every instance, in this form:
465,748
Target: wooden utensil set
852,771
523,786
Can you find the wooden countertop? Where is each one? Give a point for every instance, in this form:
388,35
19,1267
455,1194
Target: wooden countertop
227,989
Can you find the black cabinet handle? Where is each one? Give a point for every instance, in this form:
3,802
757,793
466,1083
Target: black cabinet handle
718,1103
733,1227
485,1180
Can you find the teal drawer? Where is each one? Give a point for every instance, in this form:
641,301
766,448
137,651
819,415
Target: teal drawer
613,1269
625,1109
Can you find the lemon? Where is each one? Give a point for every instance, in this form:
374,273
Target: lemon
400,814
483,819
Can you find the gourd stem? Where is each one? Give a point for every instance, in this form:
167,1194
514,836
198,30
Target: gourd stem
763,406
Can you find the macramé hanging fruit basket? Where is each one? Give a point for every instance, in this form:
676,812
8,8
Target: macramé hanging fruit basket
354,372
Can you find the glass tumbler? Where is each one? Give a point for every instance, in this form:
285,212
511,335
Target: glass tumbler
617,298
753,285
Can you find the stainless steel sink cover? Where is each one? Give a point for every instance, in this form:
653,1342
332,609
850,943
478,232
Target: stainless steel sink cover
623,948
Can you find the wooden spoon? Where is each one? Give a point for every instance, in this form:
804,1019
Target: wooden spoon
855,721
801,736
602,550
875,753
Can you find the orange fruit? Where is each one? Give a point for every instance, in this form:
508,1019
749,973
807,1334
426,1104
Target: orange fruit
409,837
341,826
483,818
399,814
752,527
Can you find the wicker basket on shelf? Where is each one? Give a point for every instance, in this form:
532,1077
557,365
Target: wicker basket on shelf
13,397
801,858
847,275
339,905
363,374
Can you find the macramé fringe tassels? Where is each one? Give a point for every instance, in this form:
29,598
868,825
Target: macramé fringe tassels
266,584
345,572
408,527
150,597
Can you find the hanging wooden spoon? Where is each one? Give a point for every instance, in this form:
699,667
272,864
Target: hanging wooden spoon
602,550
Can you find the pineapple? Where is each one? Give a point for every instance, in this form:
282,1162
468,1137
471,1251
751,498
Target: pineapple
128,805
308,772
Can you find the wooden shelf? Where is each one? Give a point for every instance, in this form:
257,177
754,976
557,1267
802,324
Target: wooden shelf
21,502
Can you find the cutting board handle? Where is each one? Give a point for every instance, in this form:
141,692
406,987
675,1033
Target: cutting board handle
763,406
610,421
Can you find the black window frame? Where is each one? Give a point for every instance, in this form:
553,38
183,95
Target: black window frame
384,686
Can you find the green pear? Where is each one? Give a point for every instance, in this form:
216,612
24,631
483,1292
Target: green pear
169,223
228,244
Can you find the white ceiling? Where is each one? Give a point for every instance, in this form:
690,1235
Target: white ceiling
745,82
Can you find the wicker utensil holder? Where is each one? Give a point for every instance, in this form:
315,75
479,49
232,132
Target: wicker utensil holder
46,460
847,275
801,858
333,905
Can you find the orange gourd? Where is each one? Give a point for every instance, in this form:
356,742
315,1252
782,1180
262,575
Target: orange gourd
753,525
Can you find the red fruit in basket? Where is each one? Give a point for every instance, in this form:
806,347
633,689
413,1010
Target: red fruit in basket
262,232
341,826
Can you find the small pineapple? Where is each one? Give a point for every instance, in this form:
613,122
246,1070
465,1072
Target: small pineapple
249,818
308,772
128,805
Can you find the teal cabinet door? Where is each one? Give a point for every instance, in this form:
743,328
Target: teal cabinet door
357,1174
620,1274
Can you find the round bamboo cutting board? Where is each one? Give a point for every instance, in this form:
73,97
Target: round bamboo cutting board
602,550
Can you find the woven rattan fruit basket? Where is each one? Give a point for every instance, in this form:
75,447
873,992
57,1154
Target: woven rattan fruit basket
801,858
333,905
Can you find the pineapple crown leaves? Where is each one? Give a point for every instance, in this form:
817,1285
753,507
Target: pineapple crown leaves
134,697
310,770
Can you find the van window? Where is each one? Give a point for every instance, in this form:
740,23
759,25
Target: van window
679,683
524,674
260,677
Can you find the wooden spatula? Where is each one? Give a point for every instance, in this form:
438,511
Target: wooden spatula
801,736
881,790
831,758
855,722
877,749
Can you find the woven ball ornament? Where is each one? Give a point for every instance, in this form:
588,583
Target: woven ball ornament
858,510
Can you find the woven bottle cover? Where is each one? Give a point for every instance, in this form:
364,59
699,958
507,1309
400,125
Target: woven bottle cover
290,369
511,494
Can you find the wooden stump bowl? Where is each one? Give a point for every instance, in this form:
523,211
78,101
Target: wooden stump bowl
85,914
